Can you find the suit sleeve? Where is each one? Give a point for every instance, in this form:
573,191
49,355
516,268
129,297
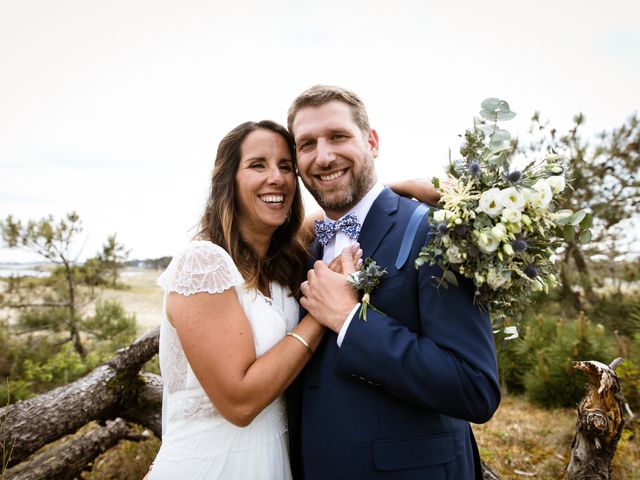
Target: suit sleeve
448,366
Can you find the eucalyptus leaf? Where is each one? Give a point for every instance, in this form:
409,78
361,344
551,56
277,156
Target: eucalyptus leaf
503,106
503,116
563,217
587,221
490,103
495,159
489,115
499,147
450,277
569,233
564,212
585,236
500,135
578,217
487,128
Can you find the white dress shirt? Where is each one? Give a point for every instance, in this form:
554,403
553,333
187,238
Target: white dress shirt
342,241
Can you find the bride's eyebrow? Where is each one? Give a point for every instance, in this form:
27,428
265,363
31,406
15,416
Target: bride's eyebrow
253,159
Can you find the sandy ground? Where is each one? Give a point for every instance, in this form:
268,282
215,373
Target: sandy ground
142,297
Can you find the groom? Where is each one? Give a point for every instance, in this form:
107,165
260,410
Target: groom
389,397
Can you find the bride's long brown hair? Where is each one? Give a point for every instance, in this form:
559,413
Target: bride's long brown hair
286,257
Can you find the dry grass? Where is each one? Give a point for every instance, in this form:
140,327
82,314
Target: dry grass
525,441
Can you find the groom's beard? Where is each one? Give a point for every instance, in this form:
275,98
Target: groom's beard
343,198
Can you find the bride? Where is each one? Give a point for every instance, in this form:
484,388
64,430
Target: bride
230,340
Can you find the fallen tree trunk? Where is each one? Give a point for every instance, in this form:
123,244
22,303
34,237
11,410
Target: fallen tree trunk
69,459
146,408
99,395
599,424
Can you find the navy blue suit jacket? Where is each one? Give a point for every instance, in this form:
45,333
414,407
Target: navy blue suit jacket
394,401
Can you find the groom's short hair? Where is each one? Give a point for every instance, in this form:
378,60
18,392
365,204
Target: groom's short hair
320,94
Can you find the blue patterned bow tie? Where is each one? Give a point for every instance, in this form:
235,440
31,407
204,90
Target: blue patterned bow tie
326,230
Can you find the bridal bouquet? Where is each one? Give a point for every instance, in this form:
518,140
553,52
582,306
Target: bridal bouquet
498,225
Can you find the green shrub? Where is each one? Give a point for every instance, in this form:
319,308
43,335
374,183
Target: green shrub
629,371
62,367
619,313
517,357
54,319
553,382
111,323
37,362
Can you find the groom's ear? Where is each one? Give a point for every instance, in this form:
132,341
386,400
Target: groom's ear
373,142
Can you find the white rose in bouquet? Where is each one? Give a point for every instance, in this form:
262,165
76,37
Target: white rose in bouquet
490,202
454,254
557,183
512,198
487,242
544,191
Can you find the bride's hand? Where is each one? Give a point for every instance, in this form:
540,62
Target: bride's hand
420,189
355,252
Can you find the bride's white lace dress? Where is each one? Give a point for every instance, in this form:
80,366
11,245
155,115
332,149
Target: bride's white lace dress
197,442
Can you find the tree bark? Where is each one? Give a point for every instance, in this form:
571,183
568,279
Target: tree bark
73,318
585,277
567,291
101,394
146,408
599,424
69,459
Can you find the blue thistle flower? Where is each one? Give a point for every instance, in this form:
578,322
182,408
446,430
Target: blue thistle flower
531,271
515,176
473,251
519,245
442,228
474,169
460,229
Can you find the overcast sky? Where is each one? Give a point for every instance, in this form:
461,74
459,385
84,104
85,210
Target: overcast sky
115,108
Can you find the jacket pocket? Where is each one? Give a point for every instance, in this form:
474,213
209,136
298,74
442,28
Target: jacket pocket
413,452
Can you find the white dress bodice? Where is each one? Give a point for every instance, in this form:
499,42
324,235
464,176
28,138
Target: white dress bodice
196,439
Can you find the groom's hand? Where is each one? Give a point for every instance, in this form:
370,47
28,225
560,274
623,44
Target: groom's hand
327,295
348,261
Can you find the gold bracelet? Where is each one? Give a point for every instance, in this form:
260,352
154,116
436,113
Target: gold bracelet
302,341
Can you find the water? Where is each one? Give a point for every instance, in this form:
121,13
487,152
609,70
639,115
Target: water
22,270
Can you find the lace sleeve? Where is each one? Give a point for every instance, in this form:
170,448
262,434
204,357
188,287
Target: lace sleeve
202,267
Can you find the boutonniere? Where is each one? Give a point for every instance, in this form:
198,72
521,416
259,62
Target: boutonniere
365,280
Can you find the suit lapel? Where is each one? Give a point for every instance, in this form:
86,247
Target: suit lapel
378,222
315,250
